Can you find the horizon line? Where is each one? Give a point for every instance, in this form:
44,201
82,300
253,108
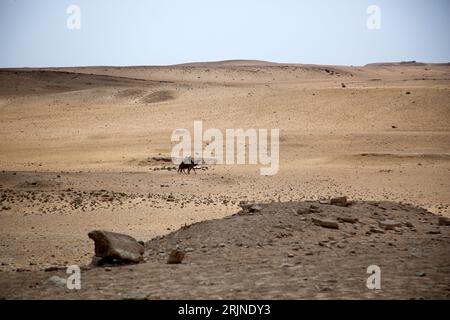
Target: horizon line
254,61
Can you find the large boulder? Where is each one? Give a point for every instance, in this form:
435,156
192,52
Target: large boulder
116,247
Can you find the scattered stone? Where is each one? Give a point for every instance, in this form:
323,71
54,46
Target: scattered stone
347,219
340,201
255,208
287,265
409,224
389,224
250,207
444,221
58,281
245,205
116,247
136,296
326,223
376,230
175,257
421,274
50,269
314,209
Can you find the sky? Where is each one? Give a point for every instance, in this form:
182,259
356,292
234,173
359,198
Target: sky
35,33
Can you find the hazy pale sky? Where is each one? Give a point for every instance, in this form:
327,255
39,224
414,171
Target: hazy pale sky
34,33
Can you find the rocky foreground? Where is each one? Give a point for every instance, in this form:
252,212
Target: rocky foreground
307,250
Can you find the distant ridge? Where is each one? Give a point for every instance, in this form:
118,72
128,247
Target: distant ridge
392,64
229,63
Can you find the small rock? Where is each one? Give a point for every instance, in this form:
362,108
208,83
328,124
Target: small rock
255,208
389,224
409,224
444,221
136,296
376,230
347,219
326,223
421,274
58,281
340,201
175,257
50,269
287,265
301,211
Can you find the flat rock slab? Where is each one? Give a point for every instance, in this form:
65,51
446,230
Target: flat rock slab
348,219
389,224
326,223
116,246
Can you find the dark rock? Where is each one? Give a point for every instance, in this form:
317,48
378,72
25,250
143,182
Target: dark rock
444,221
250,207
340,201
50,269
116,247
255,208
175,257
376,230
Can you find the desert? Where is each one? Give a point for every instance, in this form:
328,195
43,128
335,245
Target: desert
88,148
